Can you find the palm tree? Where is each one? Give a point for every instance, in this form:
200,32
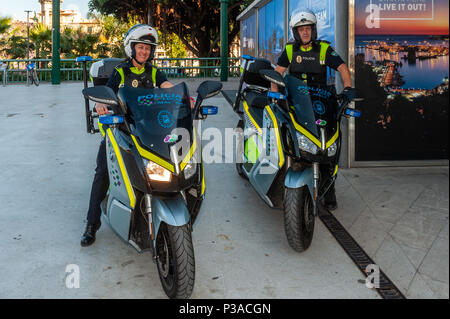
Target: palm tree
67,42
41,36
84,44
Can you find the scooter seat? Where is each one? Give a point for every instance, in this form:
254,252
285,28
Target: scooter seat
256,99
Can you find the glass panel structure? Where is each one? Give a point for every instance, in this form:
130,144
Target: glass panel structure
248,35
271,31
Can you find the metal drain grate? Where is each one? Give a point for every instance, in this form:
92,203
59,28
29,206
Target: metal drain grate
387,289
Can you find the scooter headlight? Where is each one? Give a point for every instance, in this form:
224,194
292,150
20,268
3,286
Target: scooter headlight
156,172
332,149
191,168
306,144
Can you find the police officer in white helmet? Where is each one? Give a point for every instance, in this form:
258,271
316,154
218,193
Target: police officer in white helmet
140,45
309,59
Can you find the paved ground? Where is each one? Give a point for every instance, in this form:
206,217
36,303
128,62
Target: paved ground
400,216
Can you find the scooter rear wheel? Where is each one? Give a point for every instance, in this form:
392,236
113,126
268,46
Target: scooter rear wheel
299,218
176,263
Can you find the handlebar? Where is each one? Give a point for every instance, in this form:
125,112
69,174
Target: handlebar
95,114
344,101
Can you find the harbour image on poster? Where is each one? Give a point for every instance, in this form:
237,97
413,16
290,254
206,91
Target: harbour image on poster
402,71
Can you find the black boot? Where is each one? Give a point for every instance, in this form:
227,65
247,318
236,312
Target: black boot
88,237
330,199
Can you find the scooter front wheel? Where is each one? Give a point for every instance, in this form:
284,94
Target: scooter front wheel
299,217
176,264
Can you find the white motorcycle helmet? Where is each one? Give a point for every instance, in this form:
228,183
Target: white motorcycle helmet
300,18
140,33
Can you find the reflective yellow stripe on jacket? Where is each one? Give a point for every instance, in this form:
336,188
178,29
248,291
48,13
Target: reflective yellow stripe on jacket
136,71
323,52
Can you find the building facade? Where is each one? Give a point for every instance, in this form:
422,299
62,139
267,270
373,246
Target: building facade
68,18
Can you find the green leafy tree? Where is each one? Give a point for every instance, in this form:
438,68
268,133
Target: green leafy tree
111,35
5,24
121,9
195,22
172,45
15,47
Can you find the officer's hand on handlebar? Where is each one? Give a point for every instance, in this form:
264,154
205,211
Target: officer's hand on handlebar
101,109
349,93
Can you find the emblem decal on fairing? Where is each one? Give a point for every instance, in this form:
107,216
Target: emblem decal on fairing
171,138
165,119
319,107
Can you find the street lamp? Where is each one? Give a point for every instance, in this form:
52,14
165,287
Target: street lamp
28,34
28,42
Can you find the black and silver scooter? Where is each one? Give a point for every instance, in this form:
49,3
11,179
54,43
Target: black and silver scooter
156,174
286,137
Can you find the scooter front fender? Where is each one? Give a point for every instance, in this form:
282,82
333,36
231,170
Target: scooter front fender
172,211
297,179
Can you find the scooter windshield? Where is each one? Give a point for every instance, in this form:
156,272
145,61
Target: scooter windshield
155,113
312,104
300,99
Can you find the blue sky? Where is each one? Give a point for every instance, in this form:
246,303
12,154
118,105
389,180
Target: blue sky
15,8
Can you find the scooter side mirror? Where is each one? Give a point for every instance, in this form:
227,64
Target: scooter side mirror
101,94
208,89
273,76
209,110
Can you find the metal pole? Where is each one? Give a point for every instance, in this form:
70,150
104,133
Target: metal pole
224,40
28,34
56,60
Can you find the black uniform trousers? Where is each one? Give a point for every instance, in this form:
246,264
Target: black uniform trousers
99,186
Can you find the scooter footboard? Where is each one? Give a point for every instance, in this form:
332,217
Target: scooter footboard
297,179
172,211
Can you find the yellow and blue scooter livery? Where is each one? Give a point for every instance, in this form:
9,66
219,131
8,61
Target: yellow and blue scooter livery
286,137
157,181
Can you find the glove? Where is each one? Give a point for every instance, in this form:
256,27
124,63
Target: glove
349,93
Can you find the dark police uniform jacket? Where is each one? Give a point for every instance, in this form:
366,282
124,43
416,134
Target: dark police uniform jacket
310,65
125,74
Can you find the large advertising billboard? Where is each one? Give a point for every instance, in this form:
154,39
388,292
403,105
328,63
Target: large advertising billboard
402,69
